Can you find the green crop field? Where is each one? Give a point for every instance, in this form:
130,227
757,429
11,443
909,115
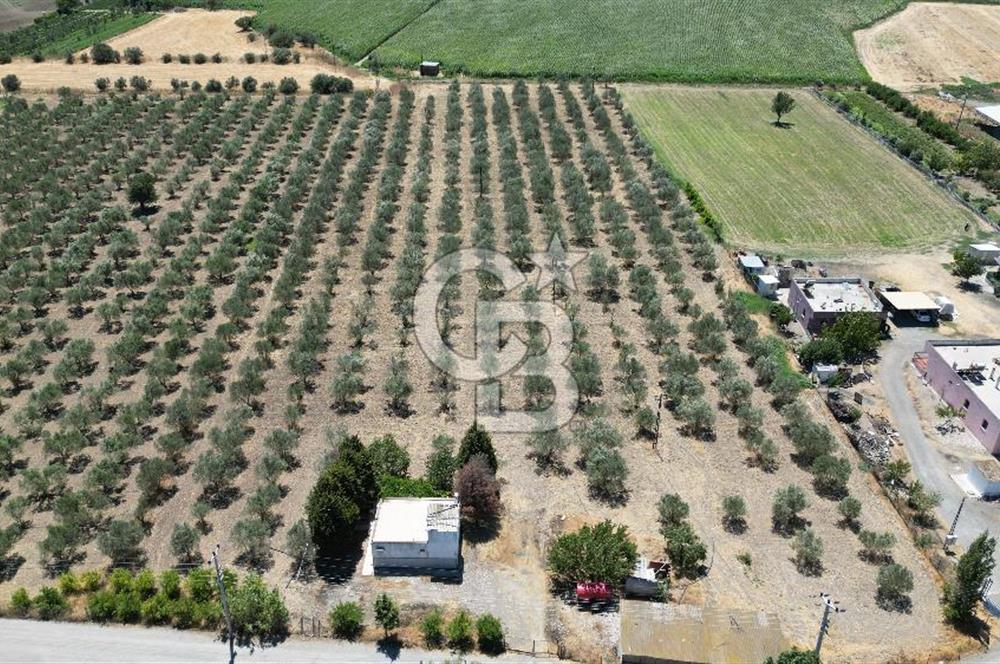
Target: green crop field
675,40
350,28
820,185
678,40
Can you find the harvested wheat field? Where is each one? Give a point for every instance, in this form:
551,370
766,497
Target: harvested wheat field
15,13
186,33
218,340
930,43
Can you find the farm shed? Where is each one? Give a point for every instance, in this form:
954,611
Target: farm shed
986,252
767,285
416,534
430,68
915,305
966,375
655,633
984,475
751,264
817,303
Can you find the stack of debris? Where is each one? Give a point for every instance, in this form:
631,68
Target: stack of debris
871,439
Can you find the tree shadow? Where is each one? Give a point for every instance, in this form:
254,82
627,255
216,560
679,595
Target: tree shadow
781,124
389,646
336,562
9,565
484,531
896,604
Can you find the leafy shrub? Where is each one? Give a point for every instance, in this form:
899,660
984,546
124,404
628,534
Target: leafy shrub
432,629
20,603
460,632
133,55
200,58
288,86
50,604
101,606
347,620
489,635
102,54
603,552
258,612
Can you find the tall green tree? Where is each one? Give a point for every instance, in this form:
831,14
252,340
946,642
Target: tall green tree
476,441
971,573
782,104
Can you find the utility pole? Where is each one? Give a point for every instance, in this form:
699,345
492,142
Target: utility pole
225,603
962,112
950,538
824,625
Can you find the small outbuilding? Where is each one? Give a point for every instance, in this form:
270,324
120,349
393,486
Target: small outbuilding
751,264
984,475
416,534
430,68
986,252
767,285
911,305
657,633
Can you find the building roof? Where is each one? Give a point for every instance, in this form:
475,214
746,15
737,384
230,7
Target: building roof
412,519
683,633
751,262
985,246
767,279
836,294
991,112
977,363
910,301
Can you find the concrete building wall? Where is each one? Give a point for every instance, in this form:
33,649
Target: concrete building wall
954,392
441,551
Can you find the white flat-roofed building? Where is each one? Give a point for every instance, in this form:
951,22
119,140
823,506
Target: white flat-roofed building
416,534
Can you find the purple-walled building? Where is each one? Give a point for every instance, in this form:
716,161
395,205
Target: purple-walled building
966,374
817,303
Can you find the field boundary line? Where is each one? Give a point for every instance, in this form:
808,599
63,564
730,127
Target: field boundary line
430,6
941,182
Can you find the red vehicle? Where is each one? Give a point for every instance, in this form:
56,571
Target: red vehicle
593,592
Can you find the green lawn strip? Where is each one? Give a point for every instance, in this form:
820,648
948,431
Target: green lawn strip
819,186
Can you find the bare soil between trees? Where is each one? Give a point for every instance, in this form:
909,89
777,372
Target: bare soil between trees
185,33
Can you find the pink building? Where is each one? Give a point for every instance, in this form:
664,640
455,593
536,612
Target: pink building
817,303
966,374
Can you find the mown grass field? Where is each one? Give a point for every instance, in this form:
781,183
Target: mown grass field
820,185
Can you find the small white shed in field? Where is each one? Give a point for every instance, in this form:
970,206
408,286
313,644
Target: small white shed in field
767,285
416,534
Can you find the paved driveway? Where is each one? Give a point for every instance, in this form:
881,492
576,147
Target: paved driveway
930,466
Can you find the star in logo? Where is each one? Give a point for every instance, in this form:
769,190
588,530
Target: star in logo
556,264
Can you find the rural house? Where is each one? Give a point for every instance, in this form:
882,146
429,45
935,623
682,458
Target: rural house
416,534
817,303
966,375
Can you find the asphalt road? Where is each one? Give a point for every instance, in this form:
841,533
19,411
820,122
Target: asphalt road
28,641
931,467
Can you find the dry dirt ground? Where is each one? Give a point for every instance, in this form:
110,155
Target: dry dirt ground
188,32
506,575
15,13
932,43
978,311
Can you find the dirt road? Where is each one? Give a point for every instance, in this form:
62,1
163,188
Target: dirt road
31,641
